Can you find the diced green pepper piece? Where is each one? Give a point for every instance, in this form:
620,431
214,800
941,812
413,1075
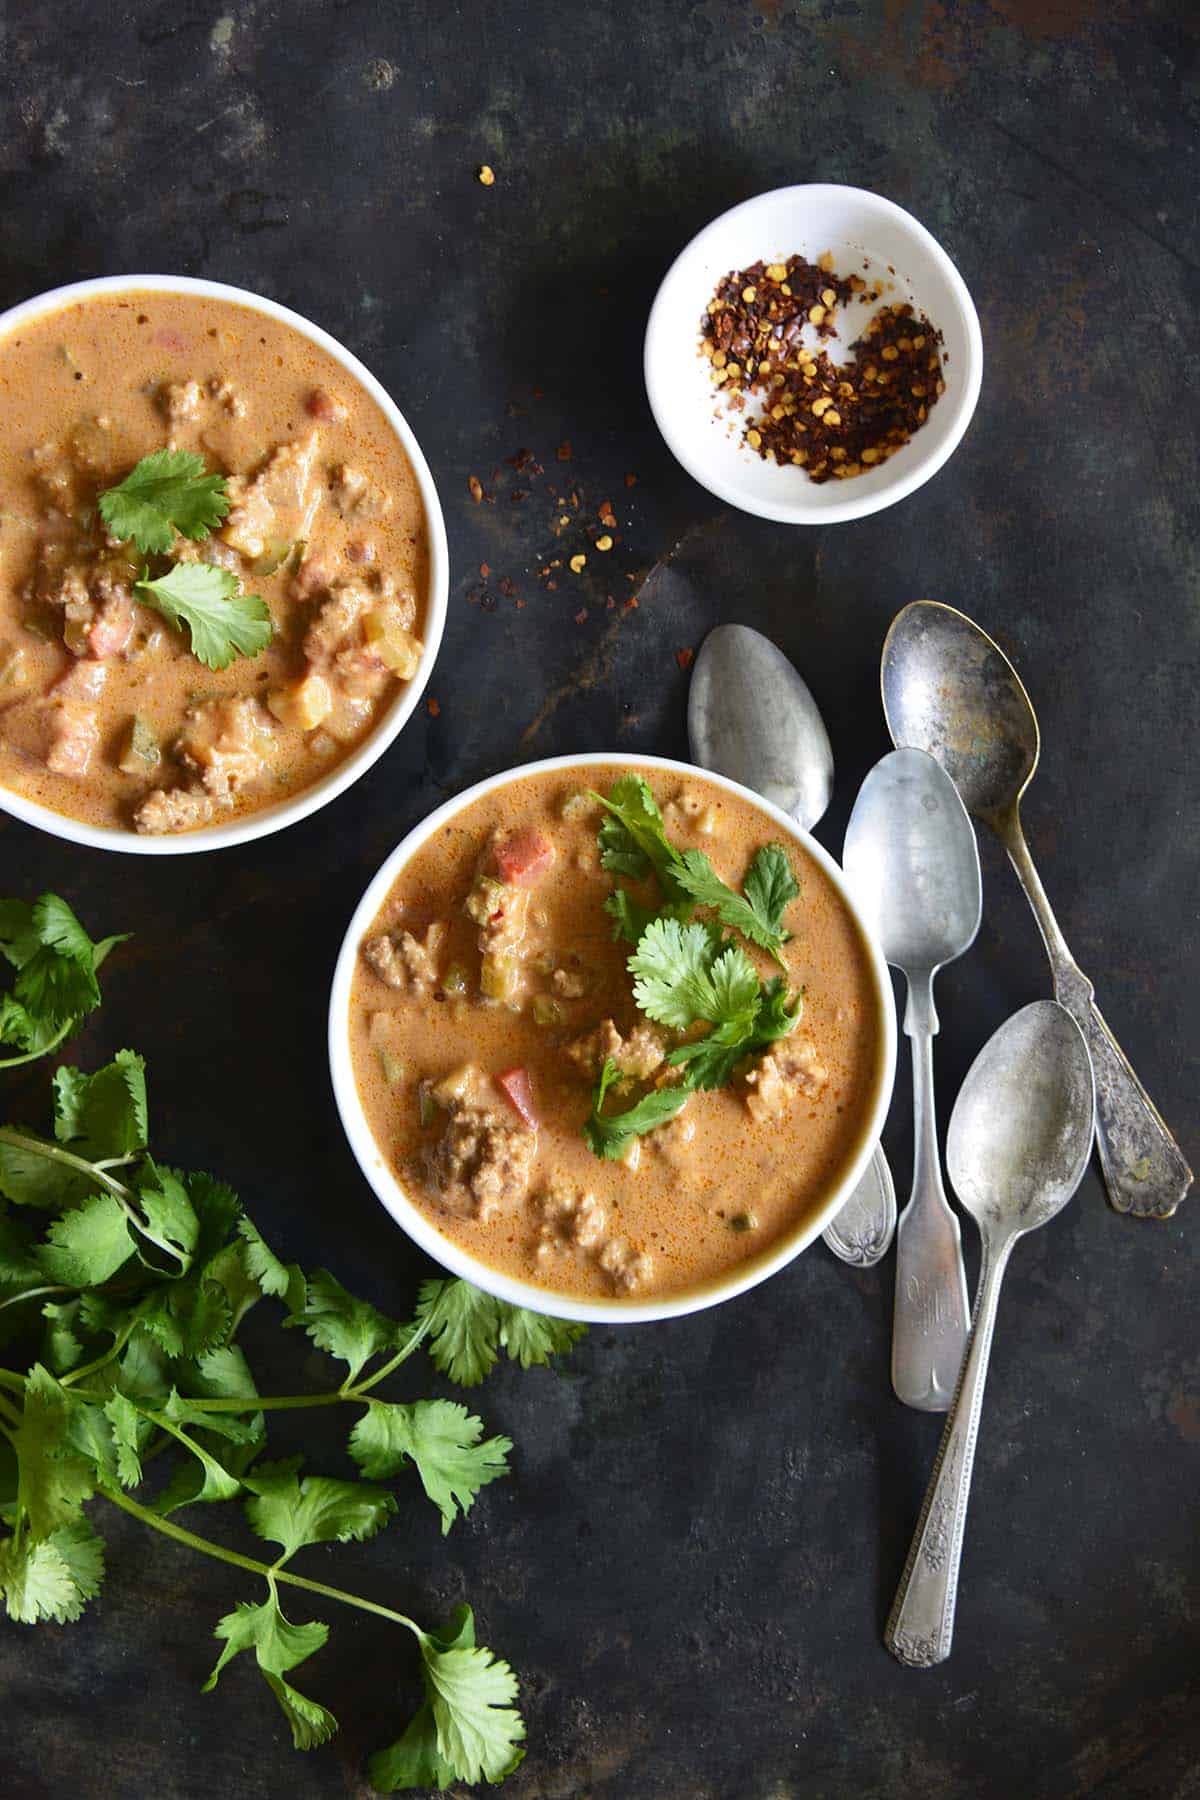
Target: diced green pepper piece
744,1221
142,754
498,977
393,1068
546,1010
455,979
427,1106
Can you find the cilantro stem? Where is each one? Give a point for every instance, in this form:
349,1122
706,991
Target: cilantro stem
97,1171
267,1571
14,1062
8,1415
32,1293
100,1362
16,1383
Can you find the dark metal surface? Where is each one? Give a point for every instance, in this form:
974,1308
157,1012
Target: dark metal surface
693,1563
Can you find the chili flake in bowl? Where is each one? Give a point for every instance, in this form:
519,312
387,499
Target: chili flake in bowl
802,406
765,333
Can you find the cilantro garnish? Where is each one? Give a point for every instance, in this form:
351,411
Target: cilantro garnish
128,1280
55,985
223,621
167,492
687,972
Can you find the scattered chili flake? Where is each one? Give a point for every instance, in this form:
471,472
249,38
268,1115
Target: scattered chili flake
631,603
508,587
563,452
434,707
476,487
577,564
520,458
610,602
539,393
552,587
832,420
520,605
518,495
484,570
685,657
607,516
631,481
485,175
581,616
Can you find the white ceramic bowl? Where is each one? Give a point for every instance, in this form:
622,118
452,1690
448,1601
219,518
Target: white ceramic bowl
421,1228
853,224
284,812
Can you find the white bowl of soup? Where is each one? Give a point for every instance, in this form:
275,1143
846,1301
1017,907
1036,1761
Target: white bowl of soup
113,730
518,1109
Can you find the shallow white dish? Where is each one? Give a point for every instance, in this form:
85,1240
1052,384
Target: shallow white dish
284,812
855,226
420,1227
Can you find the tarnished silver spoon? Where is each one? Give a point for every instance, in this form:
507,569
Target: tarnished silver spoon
1019,1141
751,717
948,689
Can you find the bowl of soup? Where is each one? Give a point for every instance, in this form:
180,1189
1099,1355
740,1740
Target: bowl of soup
231,640
585,1086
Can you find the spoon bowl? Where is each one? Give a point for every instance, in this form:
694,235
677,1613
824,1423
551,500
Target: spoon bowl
949,690
1021,1130
753,718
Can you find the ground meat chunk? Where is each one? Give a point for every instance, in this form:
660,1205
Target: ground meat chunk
355,495
227,397
209,550
181,401
483,1160
673,1140
570,1219
173,809
568,984
74,734
639,1055
780,1077
627,1269
111,627
336,630
228,743
279,504
405,961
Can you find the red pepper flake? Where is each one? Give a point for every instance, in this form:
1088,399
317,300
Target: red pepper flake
606,516
563,452
631,481
685,657
520,606
519,459
434,707
476,487
610,602
552,587
484,570
508,587
581,616
518,495
539,393
630,604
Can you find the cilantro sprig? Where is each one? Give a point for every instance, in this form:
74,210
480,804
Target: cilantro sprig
167,492
55,986
688,973
223,622
128,1280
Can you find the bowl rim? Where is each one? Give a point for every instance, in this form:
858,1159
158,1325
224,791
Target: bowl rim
388,1189
276,817
683,446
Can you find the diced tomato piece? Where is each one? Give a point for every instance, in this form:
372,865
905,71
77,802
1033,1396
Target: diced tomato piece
524,858
112,627
519,1088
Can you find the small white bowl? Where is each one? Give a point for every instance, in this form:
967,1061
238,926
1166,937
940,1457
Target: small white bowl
420,1227
267,819
853,224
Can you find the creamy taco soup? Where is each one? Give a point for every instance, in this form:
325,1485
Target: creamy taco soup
521,1082
315,541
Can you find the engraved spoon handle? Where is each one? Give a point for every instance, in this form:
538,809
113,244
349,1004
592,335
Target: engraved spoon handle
1145,1171
921,1626
932,1314
862,1232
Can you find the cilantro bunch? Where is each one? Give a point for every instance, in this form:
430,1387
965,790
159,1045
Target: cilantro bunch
171,492
55,984
688,972
127,1282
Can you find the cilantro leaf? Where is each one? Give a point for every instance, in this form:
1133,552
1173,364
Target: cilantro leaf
532,1339
316,1510
18,1261
165,492
479,1731
54,1577
464,1329
629,916
53,1480
84,1247
169,1213
756,918
285,1281
104,1115
352,1330
413,1761
609,1137
128,1431
56,965
770,885
442,1438
633,839
684,975
223,621
279,1647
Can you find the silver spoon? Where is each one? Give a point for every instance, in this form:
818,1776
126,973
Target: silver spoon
751,717
950,690
1019,1141
912,859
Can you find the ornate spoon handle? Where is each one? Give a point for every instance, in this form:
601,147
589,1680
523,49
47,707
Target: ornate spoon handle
1144,1169
921,1626
862,1232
